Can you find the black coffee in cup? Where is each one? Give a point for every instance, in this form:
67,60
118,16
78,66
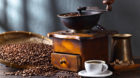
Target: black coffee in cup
98,62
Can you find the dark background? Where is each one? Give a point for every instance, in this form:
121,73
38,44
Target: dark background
39,16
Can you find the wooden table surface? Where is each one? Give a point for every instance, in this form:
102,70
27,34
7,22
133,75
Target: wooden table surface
125,74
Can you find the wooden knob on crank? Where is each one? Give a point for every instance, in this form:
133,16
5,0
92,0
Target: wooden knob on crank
108,3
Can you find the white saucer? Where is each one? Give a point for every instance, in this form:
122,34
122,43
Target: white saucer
104,74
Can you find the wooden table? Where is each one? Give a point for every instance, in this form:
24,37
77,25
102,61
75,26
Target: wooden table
124,74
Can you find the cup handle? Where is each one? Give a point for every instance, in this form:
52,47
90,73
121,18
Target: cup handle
105,67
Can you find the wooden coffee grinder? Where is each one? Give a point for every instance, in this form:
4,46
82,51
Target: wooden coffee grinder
80,43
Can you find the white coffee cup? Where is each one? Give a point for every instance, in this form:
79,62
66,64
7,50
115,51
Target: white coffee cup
95,66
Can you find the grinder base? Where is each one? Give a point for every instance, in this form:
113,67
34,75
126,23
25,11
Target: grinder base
73,49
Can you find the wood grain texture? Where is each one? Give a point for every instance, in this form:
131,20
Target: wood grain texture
88,48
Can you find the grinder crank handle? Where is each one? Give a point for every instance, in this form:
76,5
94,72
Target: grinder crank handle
106,2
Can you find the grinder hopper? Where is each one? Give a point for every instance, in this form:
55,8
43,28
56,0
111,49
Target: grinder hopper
83,20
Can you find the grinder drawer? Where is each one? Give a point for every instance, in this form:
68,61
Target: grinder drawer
66,61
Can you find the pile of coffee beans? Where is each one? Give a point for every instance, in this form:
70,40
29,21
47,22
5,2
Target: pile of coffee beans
38,55
26,53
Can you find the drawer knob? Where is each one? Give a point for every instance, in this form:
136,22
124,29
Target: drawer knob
62,62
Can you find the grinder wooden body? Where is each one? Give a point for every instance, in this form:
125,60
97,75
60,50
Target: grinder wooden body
71,50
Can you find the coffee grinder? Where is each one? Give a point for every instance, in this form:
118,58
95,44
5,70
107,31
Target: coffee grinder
80,43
